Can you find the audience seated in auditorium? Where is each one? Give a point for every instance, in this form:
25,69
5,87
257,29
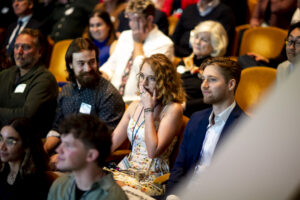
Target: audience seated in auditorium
292,51
23,163
88,92
273,13
68,19
152,125
23,9
206,129
102,33
28,89
114,8
208,39
196,13
144,39
86,143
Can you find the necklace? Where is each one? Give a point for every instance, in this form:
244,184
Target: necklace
11,177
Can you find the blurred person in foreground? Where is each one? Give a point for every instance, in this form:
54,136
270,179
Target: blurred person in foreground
206,129
152,125
86,143
208,39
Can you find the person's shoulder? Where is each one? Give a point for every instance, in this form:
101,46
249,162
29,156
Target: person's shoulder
198,116
114,191
9,70
106,87
284,65
62,181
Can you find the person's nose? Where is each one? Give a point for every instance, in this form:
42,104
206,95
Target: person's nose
2,145
19,50
87,67
204,84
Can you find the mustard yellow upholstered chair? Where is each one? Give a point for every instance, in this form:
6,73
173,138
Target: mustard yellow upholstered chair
57,61
238,34
266,41
253,86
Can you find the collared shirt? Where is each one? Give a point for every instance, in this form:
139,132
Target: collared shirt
104,101
25,21
214,129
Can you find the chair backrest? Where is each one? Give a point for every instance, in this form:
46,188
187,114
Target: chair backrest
57,62
266,41
175,151
238,35
254,84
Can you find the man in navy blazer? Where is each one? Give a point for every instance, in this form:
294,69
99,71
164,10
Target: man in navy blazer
207,128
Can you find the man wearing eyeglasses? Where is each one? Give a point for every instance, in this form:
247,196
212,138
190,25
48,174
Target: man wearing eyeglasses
292,52
28,89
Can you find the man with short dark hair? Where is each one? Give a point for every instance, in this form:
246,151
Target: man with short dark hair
28,89
207,128
86,143
88,92
144,39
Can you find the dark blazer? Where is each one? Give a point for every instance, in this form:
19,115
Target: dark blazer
31,24
194,134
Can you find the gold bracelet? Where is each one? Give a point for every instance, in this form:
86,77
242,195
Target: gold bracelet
148,110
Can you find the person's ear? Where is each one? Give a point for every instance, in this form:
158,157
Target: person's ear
92,155
231,84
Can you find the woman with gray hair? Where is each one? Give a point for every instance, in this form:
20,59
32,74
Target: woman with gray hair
208,39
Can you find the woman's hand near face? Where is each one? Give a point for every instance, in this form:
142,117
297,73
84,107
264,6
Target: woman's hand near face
140,29
148,100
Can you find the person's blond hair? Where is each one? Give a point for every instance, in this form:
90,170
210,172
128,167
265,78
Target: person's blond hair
218,36
168,83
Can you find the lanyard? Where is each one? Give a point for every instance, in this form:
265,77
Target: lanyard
135,134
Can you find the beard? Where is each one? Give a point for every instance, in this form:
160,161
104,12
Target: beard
89,79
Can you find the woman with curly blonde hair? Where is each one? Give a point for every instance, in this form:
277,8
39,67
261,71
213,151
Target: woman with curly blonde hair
151,124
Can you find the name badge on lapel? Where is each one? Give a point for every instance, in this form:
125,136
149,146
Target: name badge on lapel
85,108
20,88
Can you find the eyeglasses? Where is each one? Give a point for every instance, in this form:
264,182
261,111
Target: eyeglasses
23,46
290,42
8,142
150,79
